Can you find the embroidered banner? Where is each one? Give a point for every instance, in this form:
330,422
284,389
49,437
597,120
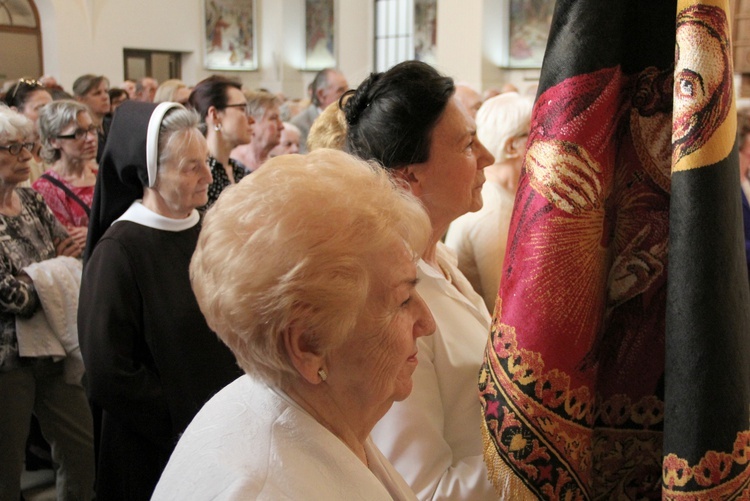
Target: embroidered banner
707,424
577,401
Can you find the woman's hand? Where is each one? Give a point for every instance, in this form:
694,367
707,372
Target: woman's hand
68,247
79,233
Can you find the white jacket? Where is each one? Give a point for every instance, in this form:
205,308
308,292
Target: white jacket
251,441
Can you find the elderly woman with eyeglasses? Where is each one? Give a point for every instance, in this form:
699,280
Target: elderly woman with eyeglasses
28,97
69,142
33,376
223,109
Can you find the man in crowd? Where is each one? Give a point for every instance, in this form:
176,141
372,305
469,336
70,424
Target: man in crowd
145,89
327,87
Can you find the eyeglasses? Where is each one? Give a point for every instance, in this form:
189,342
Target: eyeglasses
242,106
27,83
79,133
15,148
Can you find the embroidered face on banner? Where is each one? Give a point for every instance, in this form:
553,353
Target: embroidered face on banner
702,87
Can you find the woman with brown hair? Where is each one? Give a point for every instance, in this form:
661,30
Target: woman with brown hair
93,91
223,108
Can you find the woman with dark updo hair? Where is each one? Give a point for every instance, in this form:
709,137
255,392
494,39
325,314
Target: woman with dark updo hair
409,120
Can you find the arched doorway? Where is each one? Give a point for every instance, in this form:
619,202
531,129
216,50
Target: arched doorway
20,40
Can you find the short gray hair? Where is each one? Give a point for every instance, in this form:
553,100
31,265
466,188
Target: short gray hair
320,82
53,118
259,101
500,118
294,243
13,124
177,121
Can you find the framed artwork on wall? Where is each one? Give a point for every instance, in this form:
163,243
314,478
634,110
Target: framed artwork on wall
529,25
425,30
229,38
320,50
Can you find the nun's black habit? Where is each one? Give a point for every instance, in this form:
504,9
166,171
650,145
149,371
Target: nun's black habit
151,360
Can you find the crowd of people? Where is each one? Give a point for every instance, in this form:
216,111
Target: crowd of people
191,311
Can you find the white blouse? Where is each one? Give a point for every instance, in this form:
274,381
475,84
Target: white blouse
433,438
251,441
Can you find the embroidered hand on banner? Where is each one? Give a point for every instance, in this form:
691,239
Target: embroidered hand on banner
565,174
636,268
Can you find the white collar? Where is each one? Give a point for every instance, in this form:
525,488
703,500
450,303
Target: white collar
139,213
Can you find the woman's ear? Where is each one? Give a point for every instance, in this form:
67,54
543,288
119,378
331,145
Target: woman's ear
410,176
212,116
511,148
303,352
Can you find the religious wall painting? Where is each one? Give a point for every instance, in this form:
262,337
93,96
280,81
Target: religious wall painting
229,39
425,31
319,35
529,25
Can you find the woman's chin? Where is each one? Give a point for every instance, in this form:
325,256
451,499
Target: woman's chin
403,389
201,201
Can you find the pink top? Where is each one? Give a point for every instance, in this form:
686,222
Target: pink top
66,210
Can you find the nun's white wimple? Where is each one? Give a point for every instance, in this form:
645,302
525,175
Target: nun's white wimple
152,139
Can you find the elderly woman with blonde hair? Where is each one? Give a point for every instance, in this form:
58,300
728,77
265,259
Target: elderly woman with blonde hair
307,271
480,238
172,91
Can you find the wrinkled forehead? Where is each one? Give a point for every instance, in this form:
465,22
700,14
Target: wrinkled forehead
185,144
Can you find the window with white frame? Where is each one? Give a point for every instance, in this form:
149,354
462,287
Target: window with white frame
404,29
394,32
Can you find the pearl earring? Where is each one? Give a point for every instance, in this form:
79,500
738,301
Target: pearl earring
217,127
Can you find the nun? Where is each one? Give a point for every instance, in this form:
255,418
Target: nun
150,357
